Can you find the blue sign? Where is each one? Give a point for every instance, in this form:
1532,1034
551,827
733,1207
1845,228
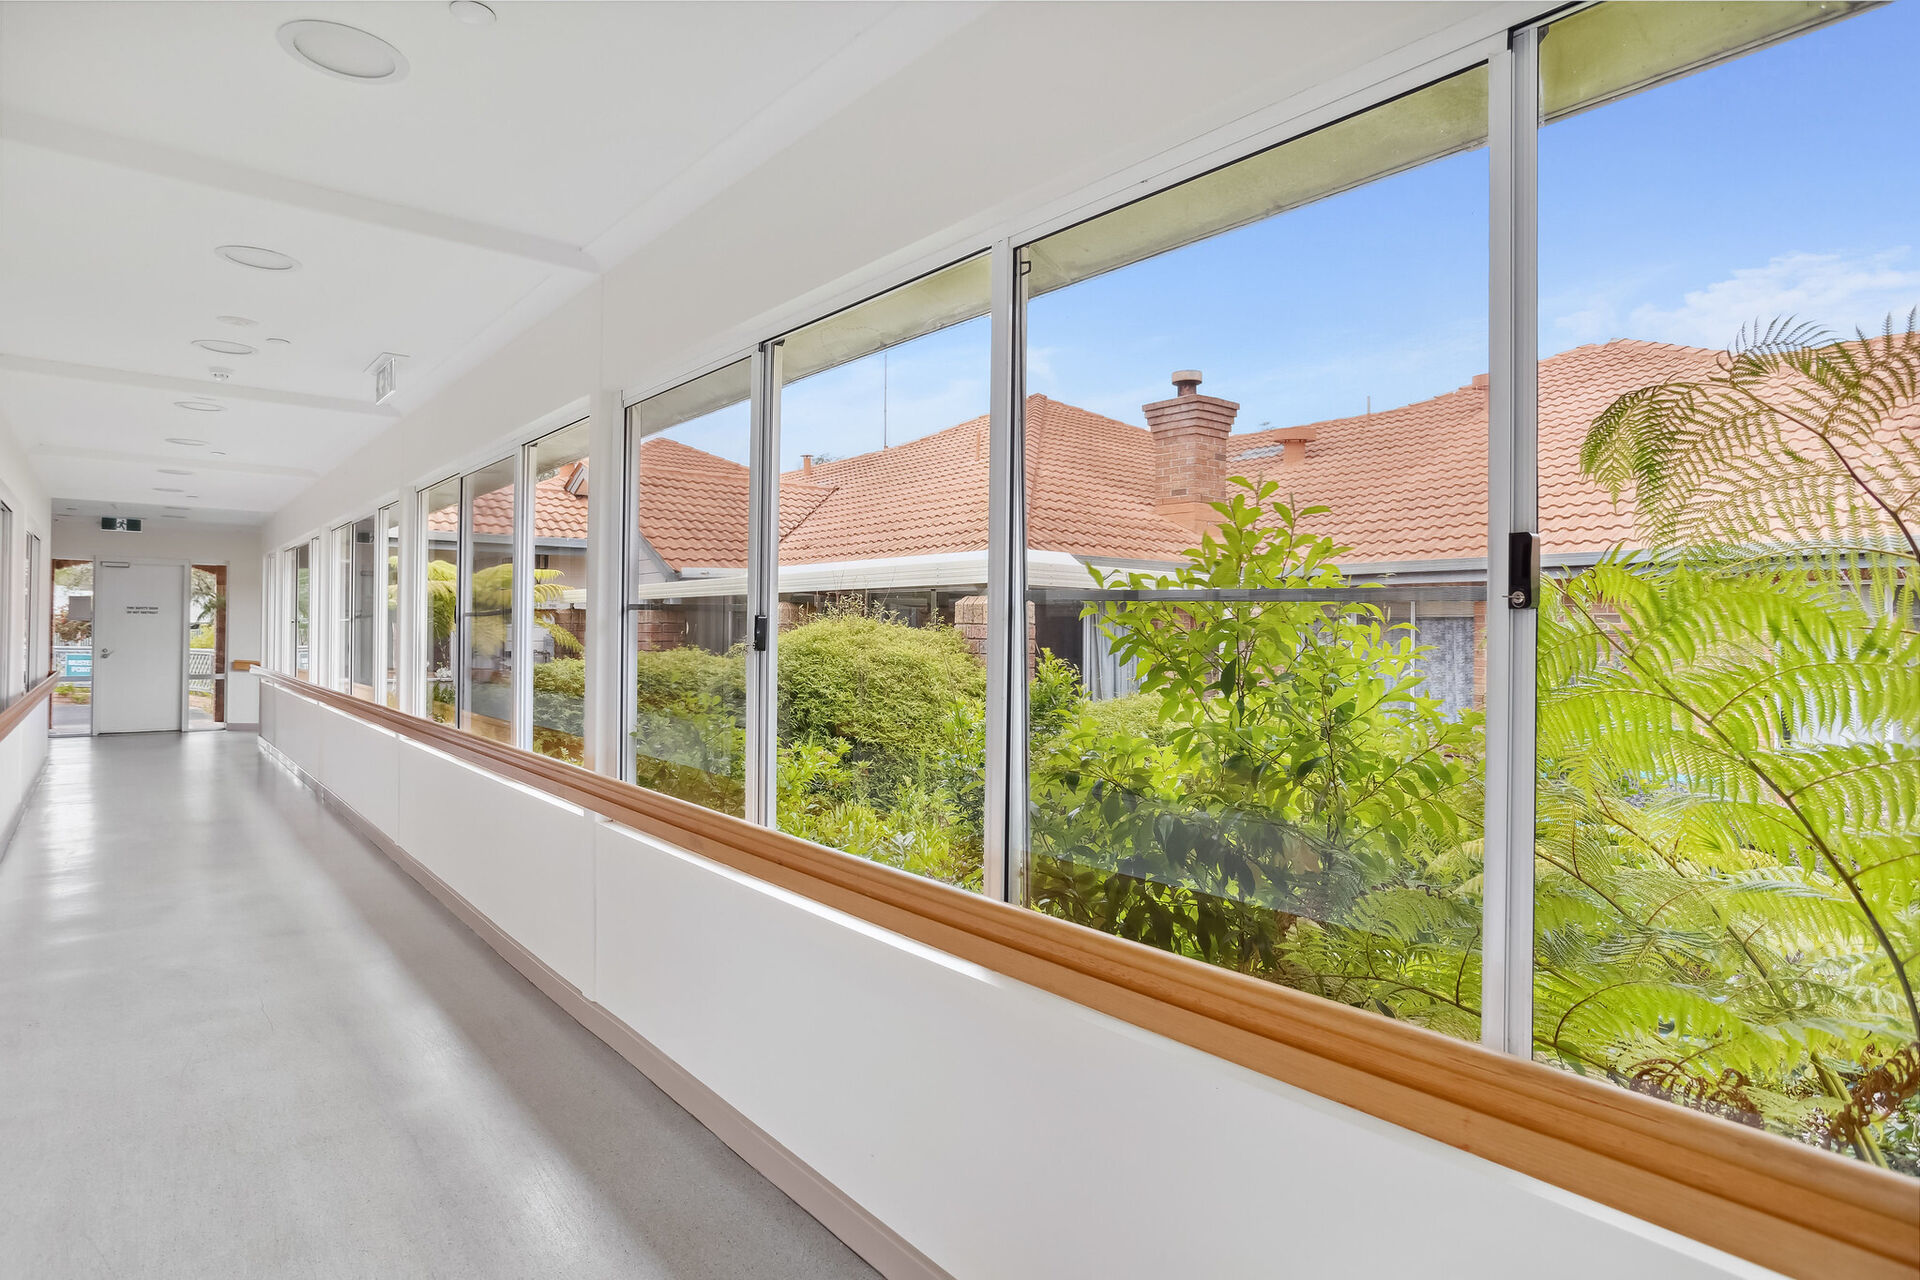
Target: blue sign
76,666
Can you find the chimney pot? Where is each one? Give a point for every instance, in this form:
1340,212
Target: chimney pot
1186,382
806,462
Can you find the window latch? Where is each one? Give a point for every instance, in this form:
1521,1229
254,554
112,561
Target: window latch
1523,570
759,633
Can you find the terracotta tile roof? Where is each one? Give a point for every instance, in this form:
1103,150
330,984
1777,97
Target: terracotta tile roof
693,506
1411,483
1402,484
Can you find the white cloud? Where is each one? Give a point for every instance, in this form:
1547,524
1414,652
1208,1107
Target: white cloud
1828,289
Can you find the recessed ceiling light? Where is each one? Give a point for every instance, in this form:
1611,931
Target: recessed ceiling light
161,488
238,322
223,347
252,255
200,406
217,453
343,51
472,13
174,471
188,441
279,342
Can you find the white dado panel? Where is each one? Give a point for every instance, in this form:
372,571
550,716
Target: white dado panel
1003,1131
361,764
1007,1132
523,859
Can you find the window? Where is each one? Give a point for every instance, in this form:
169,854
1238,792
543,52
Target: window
560,531
440,513
1728,841
36,658
363,595
341,659
1256,476
388,538
687,454
486,586
299,571
883,577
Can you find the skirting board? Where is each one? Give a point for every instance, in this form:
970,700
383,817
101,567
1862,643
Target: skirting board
882,1248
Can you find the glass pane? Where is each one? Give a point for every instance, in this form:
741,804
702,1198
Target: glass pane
687,583
73,646
1256,592
442,507
883,571
341,659
488,710
560,533
302,561
390,604
207,647
363,593
1727,859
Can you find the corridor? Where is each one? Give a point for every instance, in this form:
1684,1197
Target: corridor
236,1040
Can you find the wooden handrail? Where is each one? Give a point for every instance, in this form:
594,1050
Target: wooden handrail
1799,1210
17,712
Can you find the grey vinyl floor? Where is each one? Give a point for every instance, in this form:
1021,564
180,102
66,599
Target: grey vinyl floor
235,1040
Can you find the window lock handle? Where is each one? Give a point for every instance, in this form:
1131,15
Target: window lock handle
1523,570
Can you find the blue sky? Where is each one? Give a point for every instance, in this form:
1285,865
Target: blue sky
1782,182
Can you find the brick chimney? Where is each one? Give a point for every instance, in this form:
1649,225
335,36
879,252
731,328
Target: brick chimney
1190,451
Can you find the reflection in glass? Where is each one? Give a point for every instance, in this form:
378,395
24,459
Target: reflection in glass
1256,508
442,507
389,539
300,561
342,656
687,603
1728,827
560,593
488,502
363,594
883,571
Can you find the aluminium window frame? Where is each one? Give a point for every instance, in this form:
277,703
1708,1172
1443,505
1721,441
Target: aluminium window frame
625,703
1508,59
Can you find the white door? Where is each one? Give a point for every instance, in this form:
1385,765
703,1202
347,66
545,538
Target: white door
139,646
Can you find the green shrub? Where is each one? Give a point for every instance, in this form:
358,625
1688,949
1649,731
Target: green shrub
883,688
563,675
1135,716
665,678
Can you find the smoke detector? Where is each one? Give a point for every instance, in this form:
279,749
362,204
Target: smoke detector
386,375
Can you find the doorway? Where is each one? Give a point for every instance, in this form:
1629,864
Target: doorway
72,647
207,648
139,647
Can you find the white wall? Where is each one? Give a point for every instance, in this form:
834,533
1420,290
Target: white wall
1002,1131
25,749
237,548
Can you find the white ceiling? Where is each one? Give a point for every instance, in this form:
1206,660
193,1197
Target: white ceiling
432,217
